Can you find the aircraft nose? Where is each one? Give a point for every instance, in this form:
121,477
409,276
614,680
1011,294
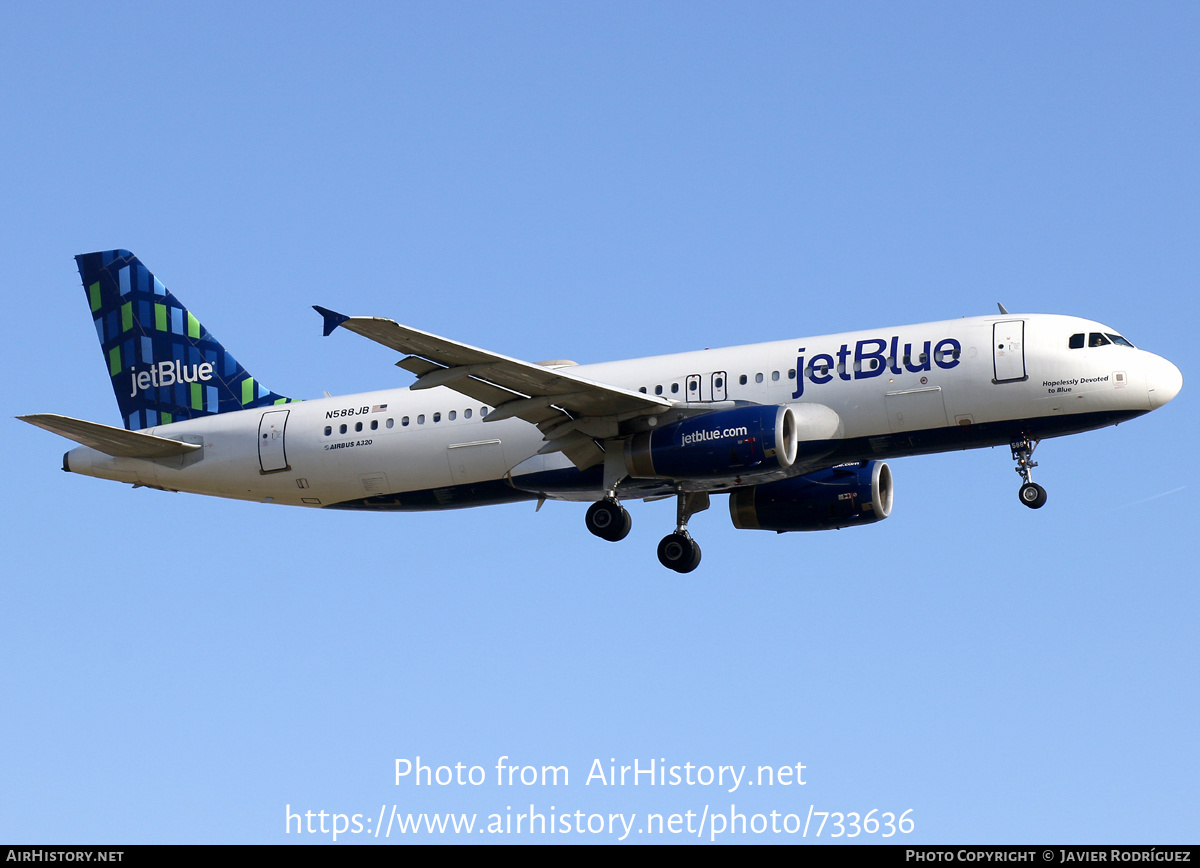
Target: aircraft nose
1163,381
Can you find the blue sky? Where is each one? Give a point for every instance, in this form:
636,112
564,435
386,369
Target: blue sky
600,181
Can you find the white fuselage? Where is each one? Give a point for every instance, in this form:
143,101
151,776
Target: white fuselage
896,391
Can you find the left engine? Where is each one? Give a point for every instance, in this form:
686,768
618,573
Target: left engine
842,496
744,441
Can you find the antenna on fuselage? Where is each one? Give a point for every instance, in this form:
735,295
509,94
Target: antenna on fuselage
1003,310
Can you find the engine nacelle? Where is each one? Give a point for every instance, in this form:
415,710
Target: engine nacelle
737,442
843,496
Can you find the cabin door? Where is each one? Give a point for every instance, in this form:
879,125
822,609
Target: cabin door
271,455
1008,350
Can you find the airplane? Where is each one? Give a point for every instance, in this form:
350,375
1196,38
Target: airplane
796,432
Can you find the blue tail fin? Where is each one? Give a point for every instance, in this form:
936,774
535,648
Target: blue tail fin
164,365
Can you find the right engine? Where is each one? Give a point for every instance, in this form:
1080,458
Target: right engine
842,496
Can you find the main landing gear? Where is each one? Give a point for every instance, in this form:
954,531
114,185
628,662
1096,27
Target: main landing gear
1031,494
678,551
610,521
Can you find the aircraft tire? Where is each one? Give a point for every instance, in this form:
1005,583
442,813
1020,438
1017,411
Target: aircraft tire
1032,495
679,552
608,520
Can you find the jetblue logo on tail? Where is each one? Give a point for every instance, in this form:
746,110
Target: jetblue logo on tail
168,374
146,333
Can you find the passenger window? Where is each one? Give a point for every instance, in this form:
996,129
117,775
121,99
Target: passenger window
437,417
674,388
758,378
391,422
358,426
421,419
742,379
328,430
658,390
642,390
792,374
404,421
374,424
467,413
1076,342
452,415
342,428
775,376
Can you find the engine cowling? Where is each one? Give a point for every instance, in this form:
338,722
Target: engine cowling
843,496
737,442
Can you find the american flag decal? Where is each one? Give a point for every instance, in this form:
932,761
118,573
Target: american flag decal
379,408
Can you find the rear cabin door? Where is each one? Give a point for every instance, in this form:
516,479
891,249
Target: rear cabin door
271,454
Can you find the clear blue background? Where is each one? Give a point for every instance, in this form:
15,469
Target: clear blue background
599,181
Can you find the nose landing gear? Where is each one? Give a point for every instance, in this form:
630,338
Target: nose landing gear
1031,494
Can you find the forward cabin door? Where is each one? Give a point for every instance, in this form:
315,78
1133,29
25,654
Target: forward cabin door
1008,350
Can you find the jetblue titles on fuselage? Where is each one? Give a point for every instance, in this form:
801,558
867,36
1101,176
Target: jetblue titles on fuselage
870,361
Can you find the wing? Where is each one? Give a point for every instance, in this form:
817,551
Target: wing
572,412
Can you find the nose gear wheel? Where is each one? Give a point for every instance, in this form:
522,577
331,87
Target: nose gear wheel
1031,494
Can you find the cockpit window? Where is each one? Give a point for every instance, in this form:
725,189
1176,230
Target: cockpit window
1120,341
1076,342
1095,339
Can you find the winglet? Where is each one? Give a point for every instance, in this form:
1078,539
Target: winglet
333,319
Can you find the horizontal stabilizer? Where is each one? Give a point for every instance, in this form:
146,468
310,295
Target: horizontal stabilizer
116,442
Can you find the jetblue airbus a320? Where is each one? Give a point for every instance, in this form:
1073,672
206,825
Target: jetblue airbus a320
795,432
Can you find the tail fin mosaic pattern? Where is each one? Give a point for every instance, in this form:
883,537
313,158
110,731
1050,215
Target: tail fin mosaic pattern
165,366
